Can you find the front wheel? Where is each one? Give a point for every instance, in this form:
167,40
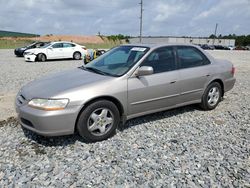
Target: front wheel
211,96
98,121
41,57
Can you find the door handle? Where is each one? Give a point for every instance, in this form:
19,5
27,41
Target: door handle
207,75
172,82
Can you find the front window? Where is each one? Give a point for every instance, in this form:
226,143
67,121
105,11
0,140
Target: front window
118,60
57,45
46,45
161,60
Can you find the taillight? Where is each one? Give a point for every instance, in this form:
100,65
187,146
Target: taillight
233,70
84,48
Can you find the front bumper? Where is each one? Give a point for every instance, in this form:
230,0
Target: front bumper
47,123
18,53
31,58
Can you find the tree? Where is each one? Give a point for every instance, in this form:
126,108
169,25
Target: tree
212,36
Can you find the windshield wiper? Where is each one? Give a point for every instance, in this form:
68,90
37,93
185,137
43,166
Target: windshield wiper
95,70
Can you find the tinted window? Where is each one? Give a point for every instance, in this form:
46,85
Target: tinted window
38,45
57,45
68,45
42,44
161,60
191,57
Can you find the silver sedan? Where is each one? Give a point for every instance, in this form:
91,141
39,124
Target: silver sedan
126,82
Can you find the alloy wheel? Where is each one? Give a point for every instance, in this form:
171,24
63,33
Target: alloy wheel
100,121
213,96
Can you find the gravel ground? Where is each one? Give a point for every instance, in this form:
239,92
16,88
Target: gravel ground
185,147
15,72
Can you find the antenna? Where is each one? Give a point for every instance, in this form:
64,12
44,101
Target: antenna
141,3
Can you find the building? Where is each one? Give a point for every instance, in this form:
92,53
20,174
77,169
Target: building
184,40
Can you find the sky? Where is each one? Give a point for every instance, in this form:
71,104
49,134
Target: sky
160,17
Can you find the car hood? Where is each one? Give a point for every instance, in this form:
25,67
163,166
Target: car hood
56,84
35,50
21,49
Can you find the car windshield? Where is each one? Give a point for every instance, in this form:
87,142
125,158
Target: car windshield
46,45
118,60
30,45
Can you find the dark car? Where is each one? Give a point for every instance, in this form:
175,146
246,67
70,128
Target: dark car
220,47
19,51
207,47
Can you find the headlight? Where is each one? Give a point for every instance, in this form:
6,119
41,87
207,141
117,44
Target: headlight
49,104
29,53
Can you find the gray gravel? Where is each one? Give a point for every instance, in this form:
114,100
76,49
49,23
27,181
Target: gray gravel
15,72
185,147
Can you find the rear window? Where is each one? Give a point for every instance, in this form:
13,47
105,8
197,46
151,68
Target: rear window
68,45
191,57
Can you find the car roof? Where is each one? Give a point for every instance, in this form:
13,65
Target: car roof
157,45
62,42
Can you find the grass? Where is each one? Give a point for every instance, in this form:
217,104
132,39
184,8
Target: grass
105,45
11,44
100,46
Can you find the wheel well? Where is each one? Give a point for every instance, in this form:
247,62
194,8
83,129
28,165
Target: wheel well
39,54
221,84
112,99
77,52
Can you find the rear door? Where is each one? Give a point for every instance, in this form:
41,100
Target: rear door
157,91
195,71
68,50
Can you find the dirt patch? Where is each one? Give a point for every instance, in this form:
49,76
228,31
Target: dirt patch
73,38
8,120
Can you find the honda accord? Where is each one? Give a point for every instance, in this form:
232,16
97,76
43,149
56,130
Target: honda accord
126,82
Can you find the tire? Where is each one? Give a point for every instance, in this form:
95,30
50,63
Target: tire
211,96
41,57
98,121
77,56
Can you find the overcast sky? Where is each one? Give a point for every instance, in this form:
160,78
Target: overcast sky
160,17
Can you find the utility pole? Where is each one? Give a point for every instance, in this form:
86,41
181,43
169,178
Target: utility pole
141,3
215,32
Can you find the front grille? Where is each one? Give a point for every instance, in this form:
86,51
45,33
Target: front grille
26,122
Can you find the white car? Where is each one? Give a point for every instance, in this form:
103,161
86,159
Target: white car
56,50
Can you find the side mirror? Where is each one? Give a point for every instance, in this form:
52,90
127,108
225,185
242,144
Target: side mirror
144,70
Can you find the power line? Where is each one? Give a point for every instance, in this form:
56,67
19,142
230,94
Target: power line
141,3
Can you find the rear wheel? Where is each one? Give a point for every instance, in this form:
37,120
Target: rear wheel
41,57
211,96
98,121
77,55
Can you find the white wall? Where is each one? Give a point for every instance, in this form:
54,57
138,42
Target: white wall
223,42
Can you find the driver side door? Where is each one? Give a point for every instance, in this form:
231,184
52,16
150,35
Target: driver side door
151,93
55,51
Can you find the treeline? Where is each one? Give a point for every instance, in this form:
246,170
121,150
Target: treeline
118,37
240,40
16,34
